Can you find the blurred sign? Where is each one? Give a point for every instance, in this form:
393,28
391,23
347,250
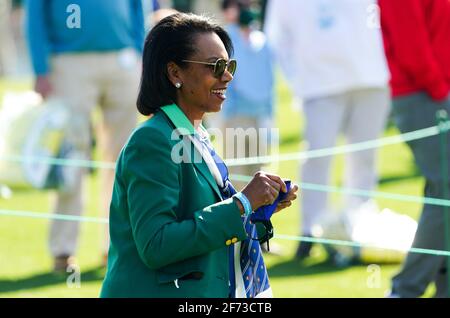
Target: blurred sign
29,129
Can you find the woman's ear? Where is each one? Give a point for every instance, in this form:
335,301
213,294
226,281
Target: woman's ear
174,73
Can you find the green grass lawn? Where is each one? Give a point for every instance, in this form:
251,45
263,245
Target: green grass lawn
25,263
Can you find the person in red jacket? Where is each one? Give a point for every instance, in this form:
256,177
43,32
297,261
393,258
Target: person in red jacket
417,44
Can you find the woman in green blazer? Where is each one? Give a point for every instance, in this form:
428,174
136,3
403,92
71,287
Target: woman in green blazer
171,228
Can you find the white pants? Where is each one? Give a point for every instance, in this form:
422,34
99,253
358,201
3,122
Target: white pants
83,81
359,115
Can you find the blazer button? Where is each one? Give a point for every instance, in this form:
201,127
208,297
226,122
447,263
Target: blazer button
228,242
234,240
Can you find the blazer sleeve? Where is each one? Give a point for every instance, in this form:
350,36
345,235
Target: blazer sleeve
153,190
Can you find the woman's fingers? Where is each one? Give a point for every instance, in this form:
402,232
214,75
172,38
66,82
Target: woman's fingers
287,202
292,194
274,184
283,205
265,188
275,189
278,180
272,193
291,197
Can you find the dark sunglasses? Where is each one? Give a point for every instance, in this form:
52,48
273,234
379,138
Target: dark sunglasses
219,66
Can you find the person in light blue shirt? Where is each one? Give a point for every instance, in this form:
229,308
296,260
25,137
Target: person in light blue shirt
86,53
68,26
252,92
250,97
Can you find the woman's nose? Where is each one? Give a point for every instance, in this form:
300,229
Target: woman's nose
227,76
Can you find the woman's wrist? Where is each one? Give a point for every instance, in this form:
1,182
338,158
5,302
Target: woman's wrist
243,201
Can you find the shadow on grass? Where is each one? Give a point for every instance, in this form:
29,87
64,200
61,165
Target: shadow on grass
290,139
294,267
415,173
48,279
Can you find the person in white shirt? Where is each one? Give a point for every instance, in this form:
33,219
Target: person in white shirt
331,52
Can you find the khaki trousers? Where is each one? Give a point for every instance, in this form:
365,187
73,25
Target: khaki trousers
84,81
7,45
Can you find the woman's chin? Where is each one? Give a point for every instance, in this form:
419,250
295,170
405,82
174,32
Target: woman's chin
215,108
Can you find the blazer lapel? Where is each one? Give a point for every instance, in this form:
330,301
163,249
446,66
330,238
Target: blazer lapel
180,121
204,171
200,165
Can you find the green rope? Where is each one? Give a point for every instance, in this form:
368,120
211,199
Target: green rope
355,244
53,216
359,192
62,217
60,162
366,145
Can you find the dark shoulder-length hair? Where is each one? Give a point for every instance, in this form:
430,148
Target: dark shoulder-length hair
171,40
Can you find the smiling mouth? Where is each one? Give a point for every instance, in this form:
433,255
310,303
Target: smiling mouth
219,92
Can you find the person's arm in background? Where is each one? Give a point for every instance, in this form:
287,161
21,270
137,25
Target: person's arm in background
38,44
137,18
403,22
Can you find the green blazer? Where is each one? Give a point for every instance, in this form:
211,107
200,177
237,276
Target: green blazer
169,228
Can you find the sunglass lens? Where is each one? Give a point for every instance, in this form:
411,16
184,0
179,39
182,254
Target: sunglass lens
220,68
232,66
222,64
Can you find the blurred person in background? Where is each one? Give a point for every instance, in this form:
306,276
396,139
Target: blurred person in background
7,45
263,5
210,8
416,35
23,65
213,8
250,97
162,13
149,7
86,53
332,57
182,5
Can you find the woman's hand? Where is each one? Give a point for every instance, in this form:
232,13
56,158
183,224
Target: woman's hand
263,189
287,202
